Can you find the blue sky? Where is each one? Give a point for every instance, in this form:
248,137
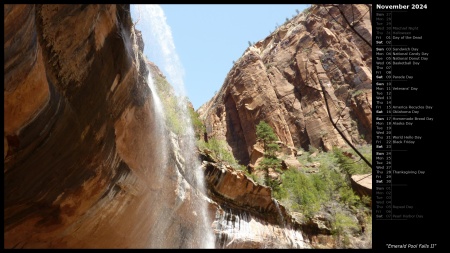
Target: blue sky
208,38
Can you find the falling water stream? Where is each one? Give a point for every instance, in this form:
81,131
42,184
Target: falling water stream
231,230
157,37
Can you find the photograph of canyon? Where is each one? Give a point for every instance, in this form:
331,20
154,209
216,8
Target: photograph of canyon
111,141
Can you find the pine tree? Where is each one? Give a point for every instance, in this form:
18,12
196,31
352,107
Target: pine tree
265,133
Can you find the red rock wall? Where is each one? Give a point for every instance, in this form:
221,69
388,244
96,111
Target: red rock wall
80,144
280,79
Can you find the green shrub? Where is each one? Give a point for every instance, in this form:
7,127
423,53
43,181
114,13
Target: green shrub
199,127
308,192
274,184
271,148
240,167
366,200
347,196
280,192
301,192
341,227
219,150
173,114
328,188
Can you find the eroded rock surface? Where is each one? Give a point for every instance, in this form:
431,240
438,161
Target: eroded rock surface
245,214
280,80
82,154
83,165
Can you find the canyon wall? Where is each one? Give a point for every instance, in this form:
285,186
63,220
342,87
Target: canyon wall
282,79
83,160
87,164
81,148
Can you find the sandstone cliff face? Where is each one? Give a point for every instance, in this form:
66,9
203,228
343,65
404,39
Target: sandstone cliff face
83,165
280,80
81,147
246,216
244,213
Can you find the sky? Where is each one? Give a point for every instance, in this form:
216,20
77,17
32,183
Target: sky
207,38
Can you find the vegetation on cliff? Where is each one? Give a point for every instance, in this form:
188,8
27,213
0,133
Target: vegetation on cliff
320,187
294,91
323,185
171,105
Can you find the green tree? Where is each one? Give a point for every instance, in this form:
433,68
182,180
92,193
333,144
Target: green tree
265,133
346,164
349,166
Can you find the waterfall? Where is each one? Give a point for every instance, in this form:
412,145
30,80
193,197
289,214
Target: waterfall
279,212
157,37
238,229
